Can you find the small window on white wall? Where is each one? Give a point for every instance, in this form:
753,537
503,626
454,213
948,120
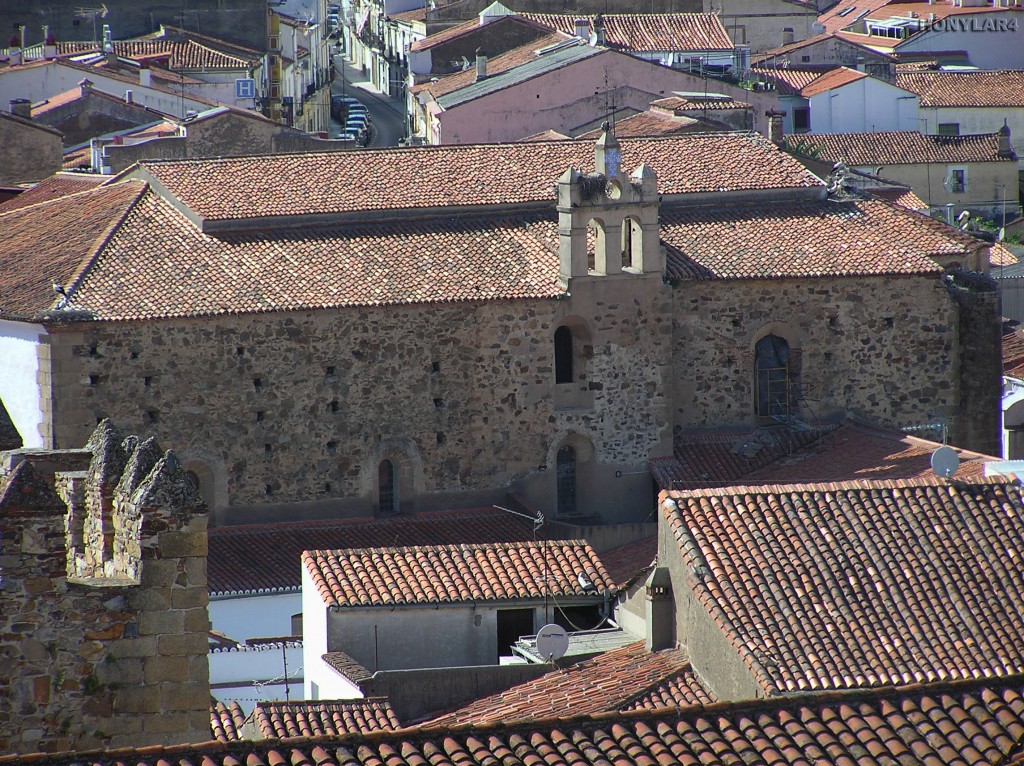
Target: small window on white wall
956,180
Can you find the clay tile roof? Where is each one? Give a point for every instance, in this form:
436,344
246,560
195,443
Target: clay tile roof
1013,349
830,80
973,724
346,666
619,679
906,147
902,197
416,14
696,103
856,584
434,574
9,436
55,241
181,54
226,721
626,562
799,239
56,186
790,81
310,184
652,124
506,62
966,89
496,27
266,557
319,719
649,31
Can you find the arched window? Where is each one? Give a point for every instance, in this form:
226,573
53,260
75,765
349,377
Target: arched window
631,243
565,480
771,380
563,355
387,487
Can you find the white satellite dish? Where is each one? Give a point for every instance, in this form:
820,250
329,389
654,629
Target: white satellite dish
552,642
945,462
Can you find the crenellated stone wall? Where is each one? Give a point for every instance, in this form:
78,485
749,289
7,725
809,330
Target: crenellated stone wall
103,626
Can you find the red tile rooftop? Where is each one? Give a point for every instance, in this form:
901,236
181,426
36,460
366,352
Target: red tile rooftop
660,32
435,574
856,584
906,147
315,718
830,80
56,186
232,189
226,721
983,89
1013,349
799,239
969,724
266,557
626,562
627,678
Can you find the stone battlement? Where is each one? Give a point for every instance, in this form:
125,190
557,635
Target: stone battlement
103,631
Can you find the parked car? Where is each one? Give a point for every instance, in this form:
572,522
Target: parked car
348,135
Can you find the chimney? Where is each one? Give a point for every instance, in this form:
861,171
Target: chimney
860,63
128,99
49,43
145,76
1005,149
775,126
598,38
581,28
658,611
21,107
85,86
481,64
14,50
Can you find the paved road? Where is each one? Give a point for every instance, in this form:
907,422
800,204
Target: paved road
387,115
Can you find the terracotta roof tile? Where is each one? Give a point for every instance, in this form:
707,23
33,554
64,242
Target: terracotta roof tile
835,79
790,81
966,89
180,54
226,721
320,719
432,574
974,724
900,148
825,586
649,31
681,104
626,678
346,666
1013,349
799,239
444,259
496,27
902,197
9,436
267,557
56,186
504,62
54,241
421,177
651,123
627,561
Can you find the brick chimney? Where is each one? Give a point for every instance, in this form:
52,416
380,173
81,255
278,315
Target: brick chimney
21,107
775,134
481,64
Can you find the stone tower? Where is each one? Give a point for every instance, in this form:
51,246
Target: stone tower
622,210
104,623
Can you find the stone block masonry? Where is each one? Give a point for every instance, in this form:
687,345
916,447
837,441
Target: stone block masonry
102,625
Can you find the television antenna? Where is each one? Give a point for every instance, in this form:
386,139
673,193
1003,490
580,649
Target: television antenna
86,13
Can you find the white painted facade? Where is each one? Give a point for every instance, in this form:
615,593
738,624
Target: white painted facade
867,105
242,617
37,82
254,674
19,378
992,40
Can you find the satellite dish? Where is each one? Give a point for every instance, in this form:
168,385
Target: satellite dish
552,642
945,461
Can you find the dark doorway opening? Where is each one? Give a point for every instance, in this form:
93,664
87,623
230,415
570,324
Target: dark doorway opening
512,624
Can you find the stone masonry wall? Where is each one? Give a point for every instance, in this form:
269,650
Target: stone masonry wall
302,406
103,626
882,348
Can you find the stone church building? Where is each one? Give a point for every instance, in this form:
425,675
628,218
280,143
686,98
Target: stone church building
406,329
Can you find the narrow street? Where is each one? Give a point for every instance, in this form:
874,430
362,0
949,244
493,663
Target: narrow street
387,115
